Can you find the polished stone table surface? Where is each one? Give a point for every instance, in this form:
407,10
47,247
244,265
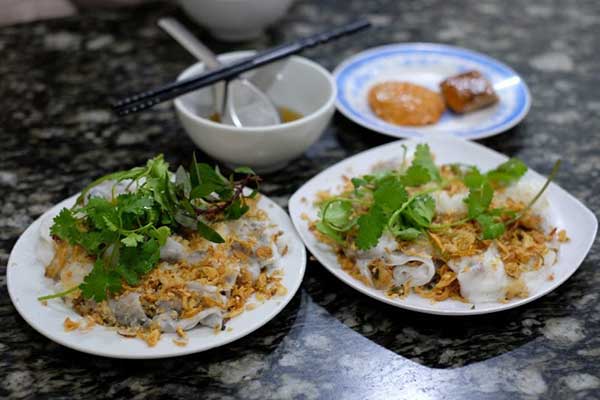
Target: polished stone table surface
56,134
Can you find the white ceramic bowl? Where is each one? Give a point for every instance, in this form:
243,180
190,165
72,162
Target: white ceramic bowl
299,84
235,20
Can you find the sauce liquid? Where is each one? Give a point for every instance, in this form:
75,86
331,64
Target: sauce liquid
286,115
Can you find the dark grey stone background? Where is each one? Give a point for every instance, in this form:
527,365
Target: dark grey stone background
56,134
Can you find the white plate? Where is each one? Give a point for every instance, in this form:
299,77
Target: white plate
566,212
26,282
428,64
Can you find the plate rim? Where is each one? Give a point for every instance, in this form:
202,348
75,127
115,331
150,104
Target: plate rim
175,351
295,201
407,132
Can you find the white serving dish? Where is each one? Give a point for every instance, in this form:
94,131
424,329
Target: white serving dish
566,212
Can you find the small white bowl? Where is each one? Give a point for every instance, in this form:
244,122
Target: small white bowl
298,84
235,20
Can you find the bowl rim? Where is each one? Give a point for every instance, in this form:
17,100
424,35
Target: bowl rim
324,108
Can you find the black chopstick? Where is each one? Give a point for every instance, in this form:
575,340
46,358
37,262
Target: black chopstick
145,100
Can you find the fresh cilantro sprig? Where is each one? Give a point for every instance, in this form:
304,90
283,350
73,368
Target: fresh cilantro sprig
390,206
422,169
370,227
507,172
125,232
493,221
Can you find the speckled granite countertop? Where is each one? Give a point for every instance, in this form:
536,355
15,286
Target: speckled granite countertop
330,342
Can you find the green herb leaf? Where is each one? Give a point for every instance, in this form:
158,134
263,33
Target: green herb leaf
98,283
102,214
244,170
370,228
182,181
474,179
390,193
161,234
423,158
208,233
209,180
96,241
416,175
132,239
490,226
185,219
128,275
236,210
203,190
157,189
421,210
358,182
108,224
65,226
507,172
479,199
134,203
157,167
134,262
194,173
209,175
407,233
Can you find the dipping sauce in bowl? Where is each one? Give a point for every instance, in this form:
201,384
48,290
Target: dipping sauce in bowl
286,115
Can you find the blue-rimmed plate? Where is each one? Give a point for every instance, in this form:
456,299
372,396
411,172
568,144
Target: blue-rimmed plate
428,64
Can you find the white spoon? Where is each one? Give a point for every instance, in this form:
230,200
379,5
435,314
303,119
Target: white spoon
238,103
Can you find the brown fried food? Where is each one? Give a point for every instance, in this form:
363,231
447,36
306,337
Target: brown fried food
467,92
403,103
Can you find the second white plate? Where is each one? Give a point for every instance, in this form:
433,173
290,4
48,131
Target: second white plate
566,212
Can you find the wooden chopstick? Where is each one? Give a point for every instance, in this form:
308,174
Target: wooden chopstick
150,98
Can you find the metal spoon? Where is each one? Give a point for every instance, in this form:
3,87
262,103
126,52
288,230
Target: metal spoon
238,103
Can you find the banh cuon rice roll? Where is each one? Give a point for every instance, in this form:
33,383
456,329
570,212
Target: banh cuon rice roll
148,251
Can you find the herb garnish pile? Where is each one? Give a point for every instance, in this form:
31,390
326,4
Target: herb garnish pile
380,201
125,234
